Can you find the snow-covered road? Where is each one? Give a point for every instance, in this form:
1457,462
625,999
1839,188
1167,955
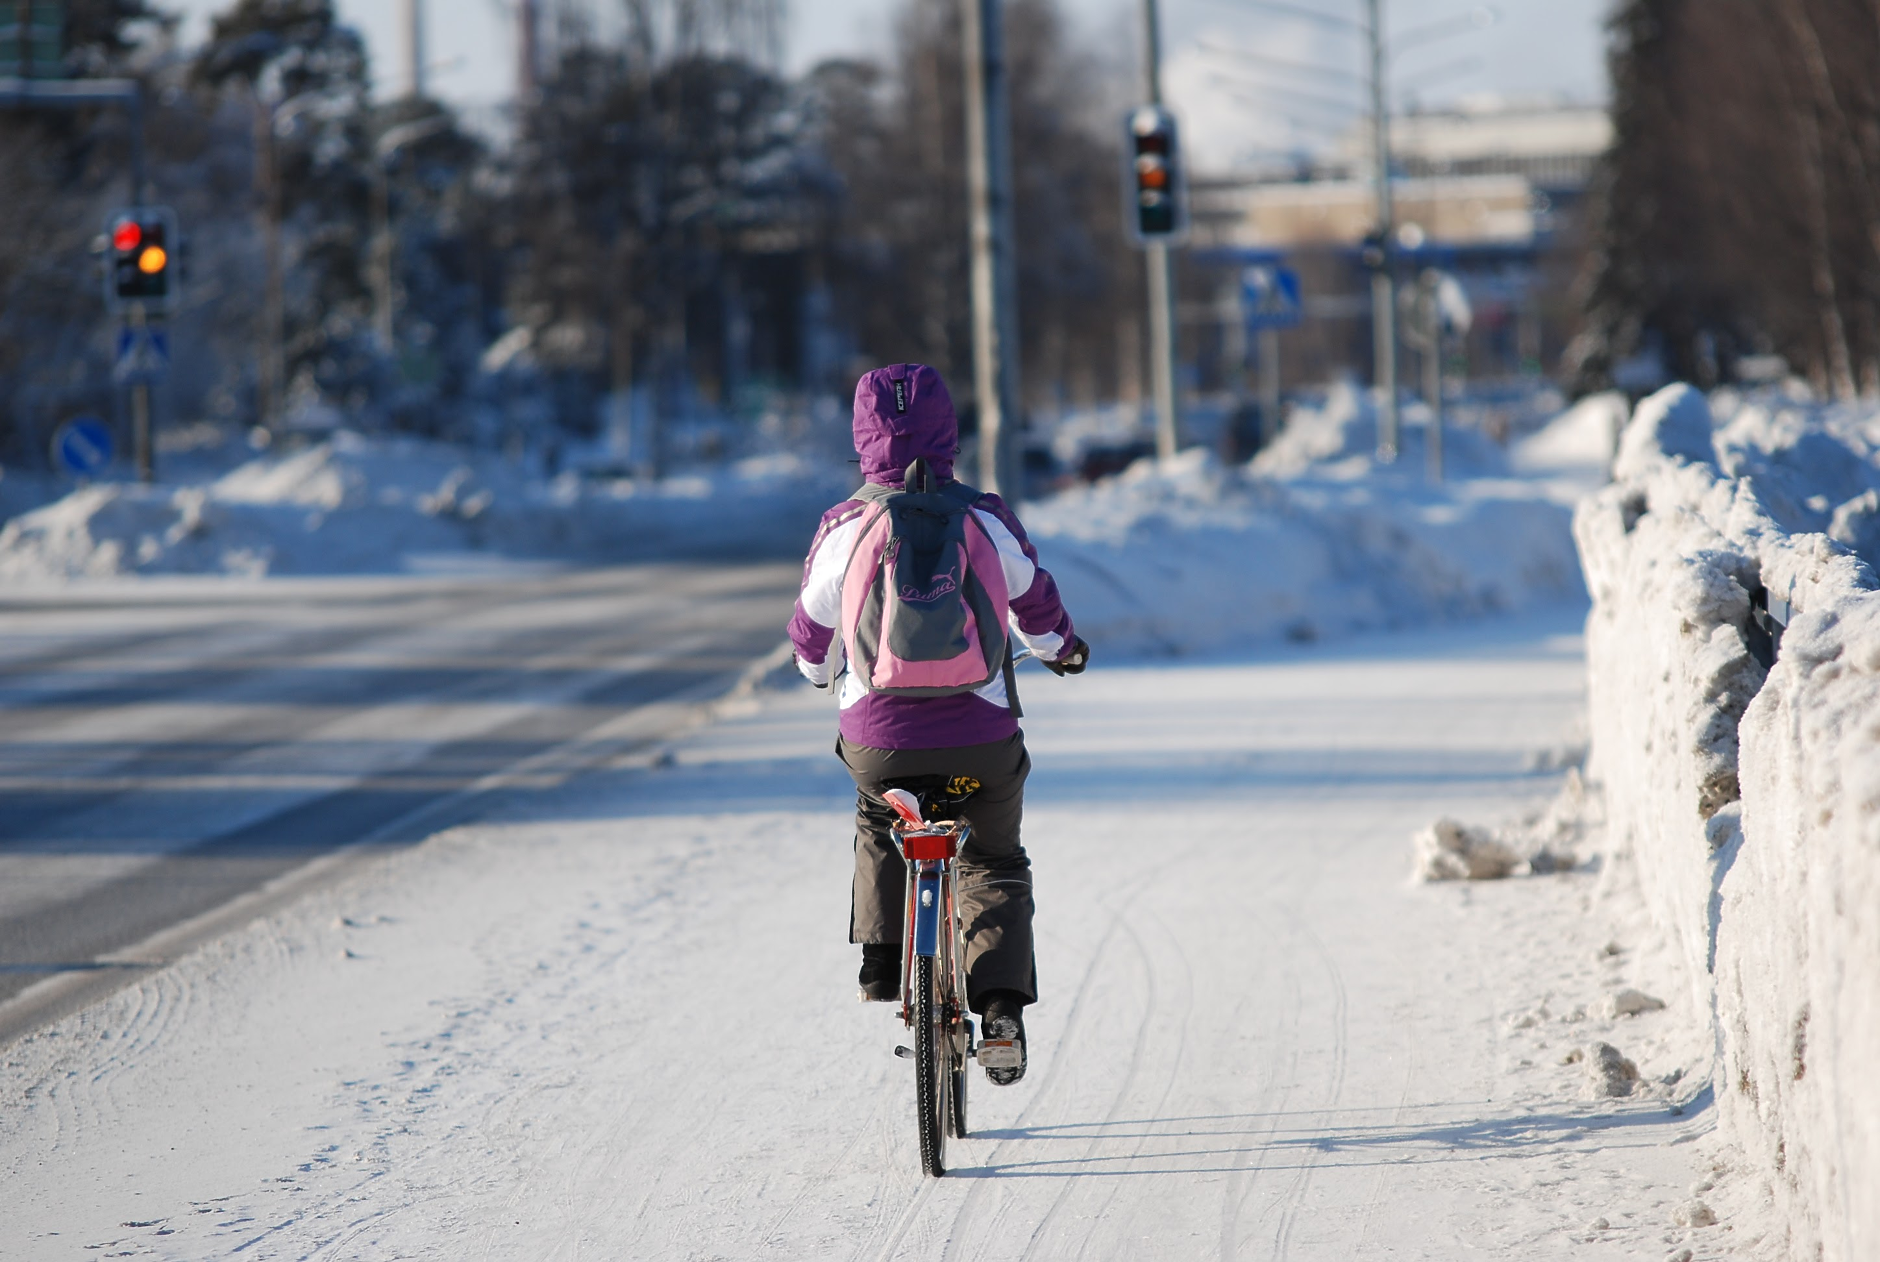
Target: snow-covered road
170,747
620,1024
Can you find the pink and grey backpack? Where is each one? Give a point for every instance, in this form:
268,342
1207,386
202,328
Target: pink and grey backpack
924,602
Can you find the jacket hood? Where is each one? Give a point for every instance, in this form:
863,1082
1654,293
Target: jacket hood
903,412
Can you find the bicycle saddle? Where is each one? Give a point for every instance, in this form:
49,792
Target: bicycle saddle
940,796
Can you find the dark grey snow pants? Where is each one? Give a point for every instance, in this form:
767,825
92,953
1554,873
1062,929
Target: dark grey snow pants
994,873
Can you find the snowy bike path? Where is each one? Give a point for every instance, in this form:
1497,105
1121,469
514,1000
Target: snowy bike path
620,1024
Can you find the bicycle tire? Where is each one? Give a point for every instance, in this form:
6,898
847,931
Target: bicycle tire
930,1067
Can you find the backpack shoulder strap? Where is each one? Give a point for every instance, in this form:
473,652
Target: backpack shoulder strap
961,494
968,496
875,493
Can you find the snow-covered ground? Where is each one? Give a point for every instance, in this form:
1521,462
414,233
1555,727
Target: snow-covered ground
1313,538
356,505
1742,773
619,1022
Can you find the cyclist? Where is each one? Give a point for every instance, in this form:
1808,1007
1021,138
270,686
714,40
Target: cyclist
903,413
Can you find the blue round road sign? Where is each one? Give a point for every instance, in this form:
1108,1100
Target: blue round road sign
82,446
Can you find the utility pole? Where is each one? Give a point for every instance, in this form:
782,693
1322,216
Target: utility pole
1383,300
1161,266
270,363
414,46
995,288
528,63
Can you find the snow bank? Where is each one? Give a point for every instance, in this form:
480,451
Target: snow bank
1178,557
1310,539
1581,438
1748,795
366,505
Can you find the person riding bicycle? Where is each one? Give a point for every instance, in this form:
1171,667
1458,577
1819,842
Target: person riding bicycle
968,741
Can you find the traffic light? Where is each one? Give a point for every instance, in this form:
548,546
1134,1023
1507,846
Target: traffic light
141,267
1156,205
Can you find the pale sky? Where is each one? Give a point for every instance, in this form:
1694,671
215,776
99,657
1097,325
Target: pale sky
1231,109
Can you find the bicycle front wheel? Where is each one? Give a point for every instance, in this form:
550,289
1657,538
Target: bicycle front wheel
956,1084
931,1066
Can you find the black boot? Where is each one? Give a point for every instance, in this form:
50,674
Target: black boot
1002,1037
881,972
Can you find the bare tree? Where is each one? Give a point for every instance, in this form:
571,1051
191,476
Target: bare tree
896,136
1740,205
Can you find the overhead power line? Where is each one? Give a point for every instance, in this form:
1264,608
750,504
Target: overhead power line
1224,49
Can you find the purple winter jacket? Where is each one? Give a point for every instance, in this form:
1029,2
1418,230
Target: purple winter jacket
889,439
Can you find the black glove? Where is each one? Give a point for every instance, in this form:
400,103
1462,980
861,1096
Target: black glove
1072,660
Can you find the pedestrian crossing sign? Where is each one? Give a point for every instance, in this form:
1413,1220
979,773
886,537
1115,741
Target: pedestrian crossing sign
143,354
1269,297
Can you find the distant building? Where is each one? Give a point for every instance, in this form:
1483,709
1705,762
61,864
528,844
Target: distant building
1552,146
1472,210
1487,190
1485,172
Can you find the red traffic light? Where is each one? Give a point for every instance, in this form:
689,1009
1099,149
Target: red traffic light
140,270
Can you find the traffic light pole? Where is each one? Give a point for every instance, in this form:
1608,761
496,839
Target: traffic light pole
140,432
1161,267
995,288
1383,299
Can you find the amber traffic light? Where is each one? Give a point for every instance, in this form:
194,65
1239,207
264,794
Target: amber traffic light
1152,185
141,267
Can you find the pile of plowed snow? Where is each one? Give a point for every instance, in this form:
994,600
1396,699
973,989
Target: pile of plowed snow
368,505
1734,664
1312,538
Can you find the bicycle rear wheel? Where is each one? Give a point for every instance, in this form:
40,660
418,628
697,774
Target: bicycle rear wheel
931,1066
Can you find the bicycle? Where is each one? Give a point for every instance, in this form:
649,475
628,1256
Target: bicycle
933,959
933,978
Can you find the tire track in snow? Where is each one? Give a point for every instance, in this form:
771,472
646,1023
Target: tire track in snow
1409,1057
1073,1022
870,1125
906,1220
1120,925
1296,1194
1187,992
1284,1053
1117,1100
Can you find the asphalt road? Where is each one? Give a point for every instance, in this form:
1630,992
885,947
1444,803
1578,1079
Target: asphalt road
177,756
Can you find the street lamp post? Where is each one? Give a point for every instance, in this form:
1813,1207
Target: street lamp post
1383,299
994,281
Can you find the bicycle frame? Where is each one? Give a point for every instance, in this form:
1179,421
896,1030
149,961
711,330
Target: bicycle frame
932,922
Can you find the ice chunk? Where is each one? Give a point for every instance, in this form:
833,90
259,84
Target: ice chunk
1449,851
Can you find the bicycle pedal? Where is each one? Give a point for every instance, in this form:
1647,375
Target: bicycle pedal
999,1054
905,1053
